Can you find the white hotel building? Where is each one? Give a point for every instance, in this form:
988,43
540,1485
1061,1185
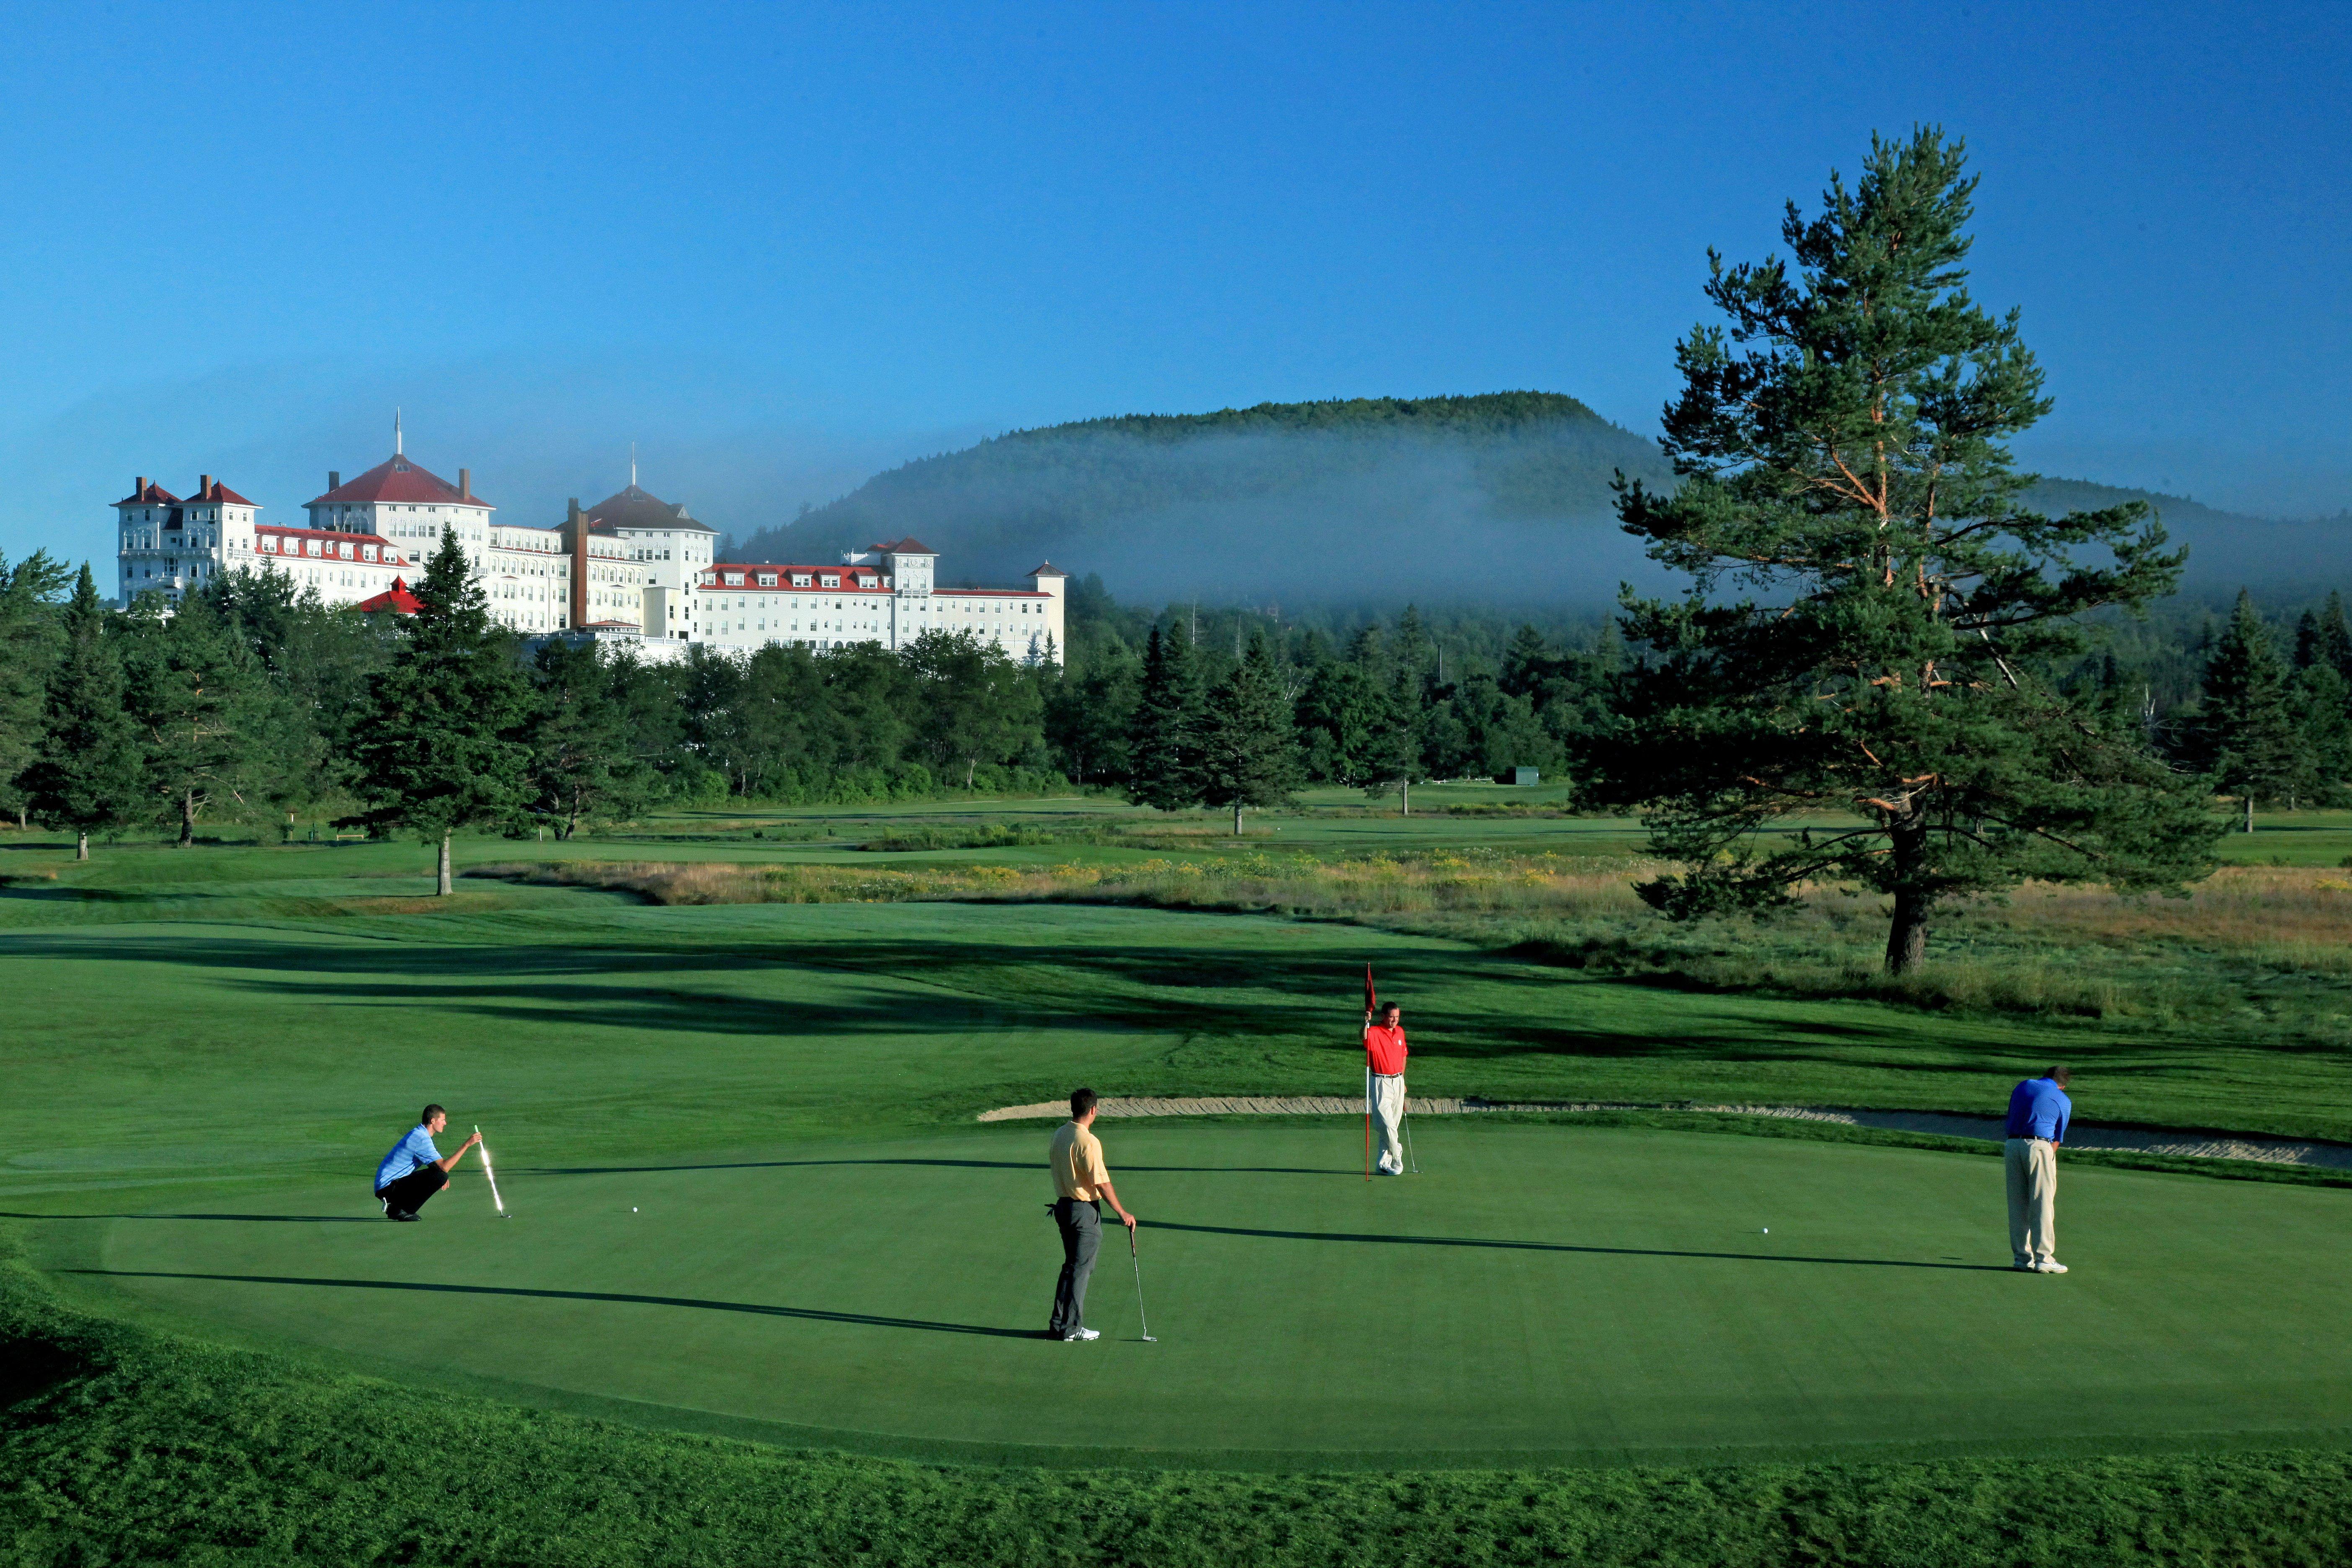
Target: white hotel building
633,569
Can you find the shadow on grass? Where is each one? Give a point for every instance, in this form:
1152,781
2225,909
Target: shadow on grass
1038,1166
943,984
1565,1246
810,1314
249,1218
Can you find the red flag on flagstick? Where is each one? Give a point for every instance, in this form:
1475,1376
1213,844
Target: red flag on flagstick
1372,998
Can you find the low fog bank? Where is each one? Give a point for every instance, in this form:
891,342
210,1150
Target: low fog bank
1419,531
1522,517
1317,518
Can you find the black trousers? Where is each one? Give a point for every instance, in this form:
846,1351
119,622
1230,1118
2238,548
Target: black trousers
1080,1224
407,1194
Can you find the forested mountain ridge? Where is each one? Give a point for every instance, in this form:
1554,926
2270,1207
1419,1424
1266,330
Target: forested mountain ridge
1335,499
1496,498
2227,550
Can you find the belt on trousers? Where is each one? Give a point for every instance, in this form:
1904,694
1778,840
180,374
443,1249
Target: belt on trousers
1388,1075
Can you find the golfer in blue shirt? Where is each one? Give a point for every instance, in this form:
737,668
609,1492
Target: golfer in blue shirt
415,1170
2037,1113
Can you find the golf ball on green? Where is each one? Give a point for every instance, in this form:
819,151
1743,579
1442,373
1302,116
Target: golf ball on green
1765,1231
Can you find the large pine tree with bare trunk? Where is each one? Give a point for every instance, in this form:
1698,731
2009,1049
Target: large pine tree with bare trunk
1854,690
442,747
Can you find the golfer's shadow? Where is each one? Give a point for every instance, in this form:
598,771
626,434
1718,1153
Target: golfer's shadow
810,1314
1563,1247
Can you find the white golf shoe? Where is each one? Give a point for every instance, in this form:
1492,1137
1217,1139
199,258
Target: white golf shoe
1079,1336
2051,1266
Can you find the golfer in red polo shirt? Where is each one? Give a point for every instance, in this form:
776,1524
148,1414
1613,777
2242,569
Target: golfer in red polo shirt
1385,1053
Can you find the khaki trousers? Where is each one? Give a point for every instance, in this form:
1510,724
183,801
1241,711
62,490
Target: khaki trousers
1387,1104
2032,1168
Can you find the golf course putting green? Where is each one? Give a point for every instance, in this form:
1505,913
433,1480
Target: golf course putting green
1543,1291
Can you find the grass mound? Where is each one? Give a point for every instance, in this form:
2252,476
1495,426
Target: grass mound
1568,1293
157,1449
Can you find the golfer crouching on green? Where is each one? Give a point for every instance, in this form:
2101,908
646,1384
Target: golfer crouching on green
1081,1187
415,1170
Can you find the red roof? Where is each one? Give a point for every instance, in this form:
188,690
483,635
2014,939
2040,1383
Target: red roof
1047,568
154,495
710,580
907,546
640,508
398,480
397,598
261,527
783,585
219,494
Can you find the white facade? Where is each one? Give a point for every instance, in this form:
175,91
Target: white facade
642,577
880,595
525,573
169,546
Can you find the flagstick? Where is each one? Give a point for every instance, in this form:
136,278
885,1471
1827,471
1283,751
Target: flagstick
493,1175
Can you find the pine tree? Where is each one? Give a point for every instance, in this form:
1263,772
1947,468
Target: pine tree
440,751
1337,716
2323,637
320,665
2245,733
29,650
1249,751
582,763
1394,750
1528,663
1413,645
2307,640
204,715
1164,748
86,775
1841,453
1090,715
2319,707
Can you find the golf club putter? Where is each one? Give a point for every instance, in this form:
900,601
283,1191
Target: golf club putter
493,1175
1404,1120
1142,1316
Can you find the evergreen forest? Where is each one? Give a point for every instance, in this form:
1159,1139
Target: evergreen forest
254,707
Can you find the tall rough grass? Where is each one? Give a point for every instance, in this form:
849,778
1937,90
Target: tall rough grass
2268,944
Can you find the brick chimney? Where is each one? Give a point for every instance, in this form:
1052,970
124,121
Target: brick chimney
334,478
465,484
139,488
575,539
203,486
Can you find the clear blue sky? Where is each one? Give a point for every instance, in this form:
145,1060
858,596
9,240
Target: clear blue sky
781,246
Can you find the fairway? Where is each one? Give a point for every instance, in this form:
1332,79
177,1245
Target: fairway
1544,1291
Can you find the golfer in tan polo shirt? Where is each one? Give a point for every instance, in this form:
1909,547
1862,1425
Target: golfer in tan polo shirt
1081,1187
